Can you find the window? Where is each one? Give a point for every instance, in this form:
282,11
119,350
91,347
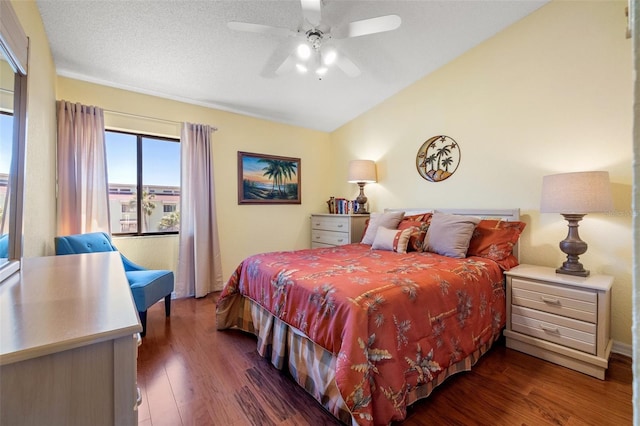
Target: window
6,142
144,183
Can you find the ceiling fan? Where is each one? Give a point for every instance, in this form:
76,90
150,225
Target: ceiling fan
314,53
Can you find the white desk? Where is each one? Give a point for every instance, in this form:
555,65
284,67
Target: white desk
68,331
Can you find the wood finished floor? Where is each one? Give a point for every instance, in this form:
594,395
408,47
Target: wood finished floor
191,374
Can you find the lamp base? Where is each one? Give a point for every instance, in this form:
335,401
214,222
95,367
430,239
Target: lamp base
581,273
361,200
573,246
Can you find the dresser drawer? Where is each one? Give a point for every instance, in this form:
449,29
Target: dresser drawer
315,244
565,331
337,223
569,302
329,237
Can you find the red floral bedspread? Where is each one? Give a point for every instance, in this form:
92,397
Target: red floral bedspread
393,320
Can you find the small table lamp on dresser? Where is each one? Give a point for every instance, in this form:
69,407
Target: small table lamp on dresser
362,172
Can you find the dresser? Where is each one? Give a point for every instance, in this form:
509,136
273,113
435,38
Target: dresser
68,343
328,230
561,318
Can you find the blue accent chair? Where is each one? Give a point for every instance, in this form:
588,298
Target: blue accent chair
147,286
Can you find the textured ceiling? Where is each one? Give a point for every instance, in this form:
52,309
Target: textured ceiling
184,50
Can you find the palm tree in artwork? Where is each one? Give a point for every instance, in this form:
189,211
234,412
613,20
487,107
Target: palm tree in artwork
270,171
288,171
278,171
445,150
446,162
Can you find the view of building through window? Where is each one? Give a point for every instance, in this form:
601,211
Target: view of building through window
156,176
6,141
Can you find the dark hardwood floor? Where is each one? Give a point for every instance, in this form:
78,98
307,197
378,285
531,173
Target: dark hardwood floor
191,374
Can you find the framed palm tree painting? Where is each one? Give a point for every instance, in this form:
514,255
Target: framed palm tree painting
268,179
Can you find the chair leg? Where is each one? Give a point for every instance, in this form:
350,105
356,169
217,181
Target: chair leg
167,305
143,320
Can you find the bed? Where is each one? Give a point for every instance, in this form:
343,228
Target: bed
368,329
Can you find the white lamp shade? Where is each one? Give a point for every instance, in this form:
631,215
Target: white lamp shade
576,193
362,171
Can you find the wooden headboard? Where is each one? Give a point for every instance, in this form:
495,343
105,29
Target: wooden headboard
508,215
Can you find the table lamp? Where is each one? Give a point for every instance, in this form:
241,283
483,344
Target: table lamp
362,172
574,195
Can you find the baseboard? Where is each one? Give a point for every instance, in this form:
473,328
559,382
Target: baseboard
622,349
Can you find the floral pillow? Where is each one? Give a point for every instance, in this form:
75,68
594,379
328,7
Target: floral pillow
418,233
391,239
494,239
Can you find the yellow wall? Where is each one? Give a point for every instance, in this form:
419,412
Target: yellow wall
244,229
550,94
40,178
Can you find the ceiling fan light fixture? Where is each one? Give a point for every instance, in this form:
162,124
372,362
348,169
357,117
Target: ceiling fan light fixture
329,57
303,51
301,68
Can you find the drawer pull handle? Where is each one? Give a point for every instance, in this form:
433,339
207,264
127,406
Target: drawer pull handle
340,240
549,329
550,301
340,225
317,224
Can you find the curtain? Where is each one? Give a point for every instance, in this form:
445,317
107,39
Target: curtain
83,196
199,262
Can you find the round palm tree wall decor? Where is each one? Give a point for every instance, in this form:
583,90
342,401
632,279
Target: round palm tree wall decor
438,158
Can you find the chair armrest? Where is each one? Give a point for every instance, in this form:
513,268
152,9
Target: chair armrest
130,266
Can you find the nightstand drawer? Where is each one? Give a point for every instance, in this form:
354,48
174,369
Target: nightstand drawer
568,302
553,328
337,223
329,237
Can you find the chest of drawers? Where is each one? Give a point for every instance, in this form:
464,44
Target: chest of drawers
68,343
560,318
328,230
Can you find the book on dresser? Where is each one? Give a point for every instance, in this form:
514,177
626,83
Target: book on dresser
330,230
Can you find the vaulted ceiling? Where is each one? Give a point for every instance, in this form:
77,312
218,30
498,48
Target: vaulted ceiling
185,50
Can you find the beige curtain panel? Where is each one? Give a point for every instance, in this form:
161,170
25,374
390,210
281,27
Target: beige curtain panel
199,262
83,197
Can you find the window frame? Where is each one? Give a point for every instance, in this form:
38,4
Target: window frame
139,183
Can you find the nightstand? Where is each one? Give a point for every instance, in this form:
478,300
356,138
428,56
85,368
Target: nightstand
329,230
560,318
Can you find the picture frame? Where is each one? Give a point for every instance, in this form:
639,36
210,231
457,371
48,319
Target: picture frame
268,179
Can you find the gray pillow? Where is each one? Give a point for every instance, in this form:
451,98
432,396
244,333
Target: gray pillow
449,234
389,220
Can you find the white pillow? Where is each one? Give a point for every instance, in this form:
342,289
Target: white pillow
392,239
389,220
449,234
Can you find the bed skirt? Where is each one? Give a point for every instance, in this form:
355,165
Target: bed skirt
312,366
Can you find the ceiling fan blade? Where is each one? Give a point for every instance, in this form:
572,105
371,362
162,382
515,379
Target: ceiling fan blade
276,60
368,26
260,29
347,66
287,65
311,10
